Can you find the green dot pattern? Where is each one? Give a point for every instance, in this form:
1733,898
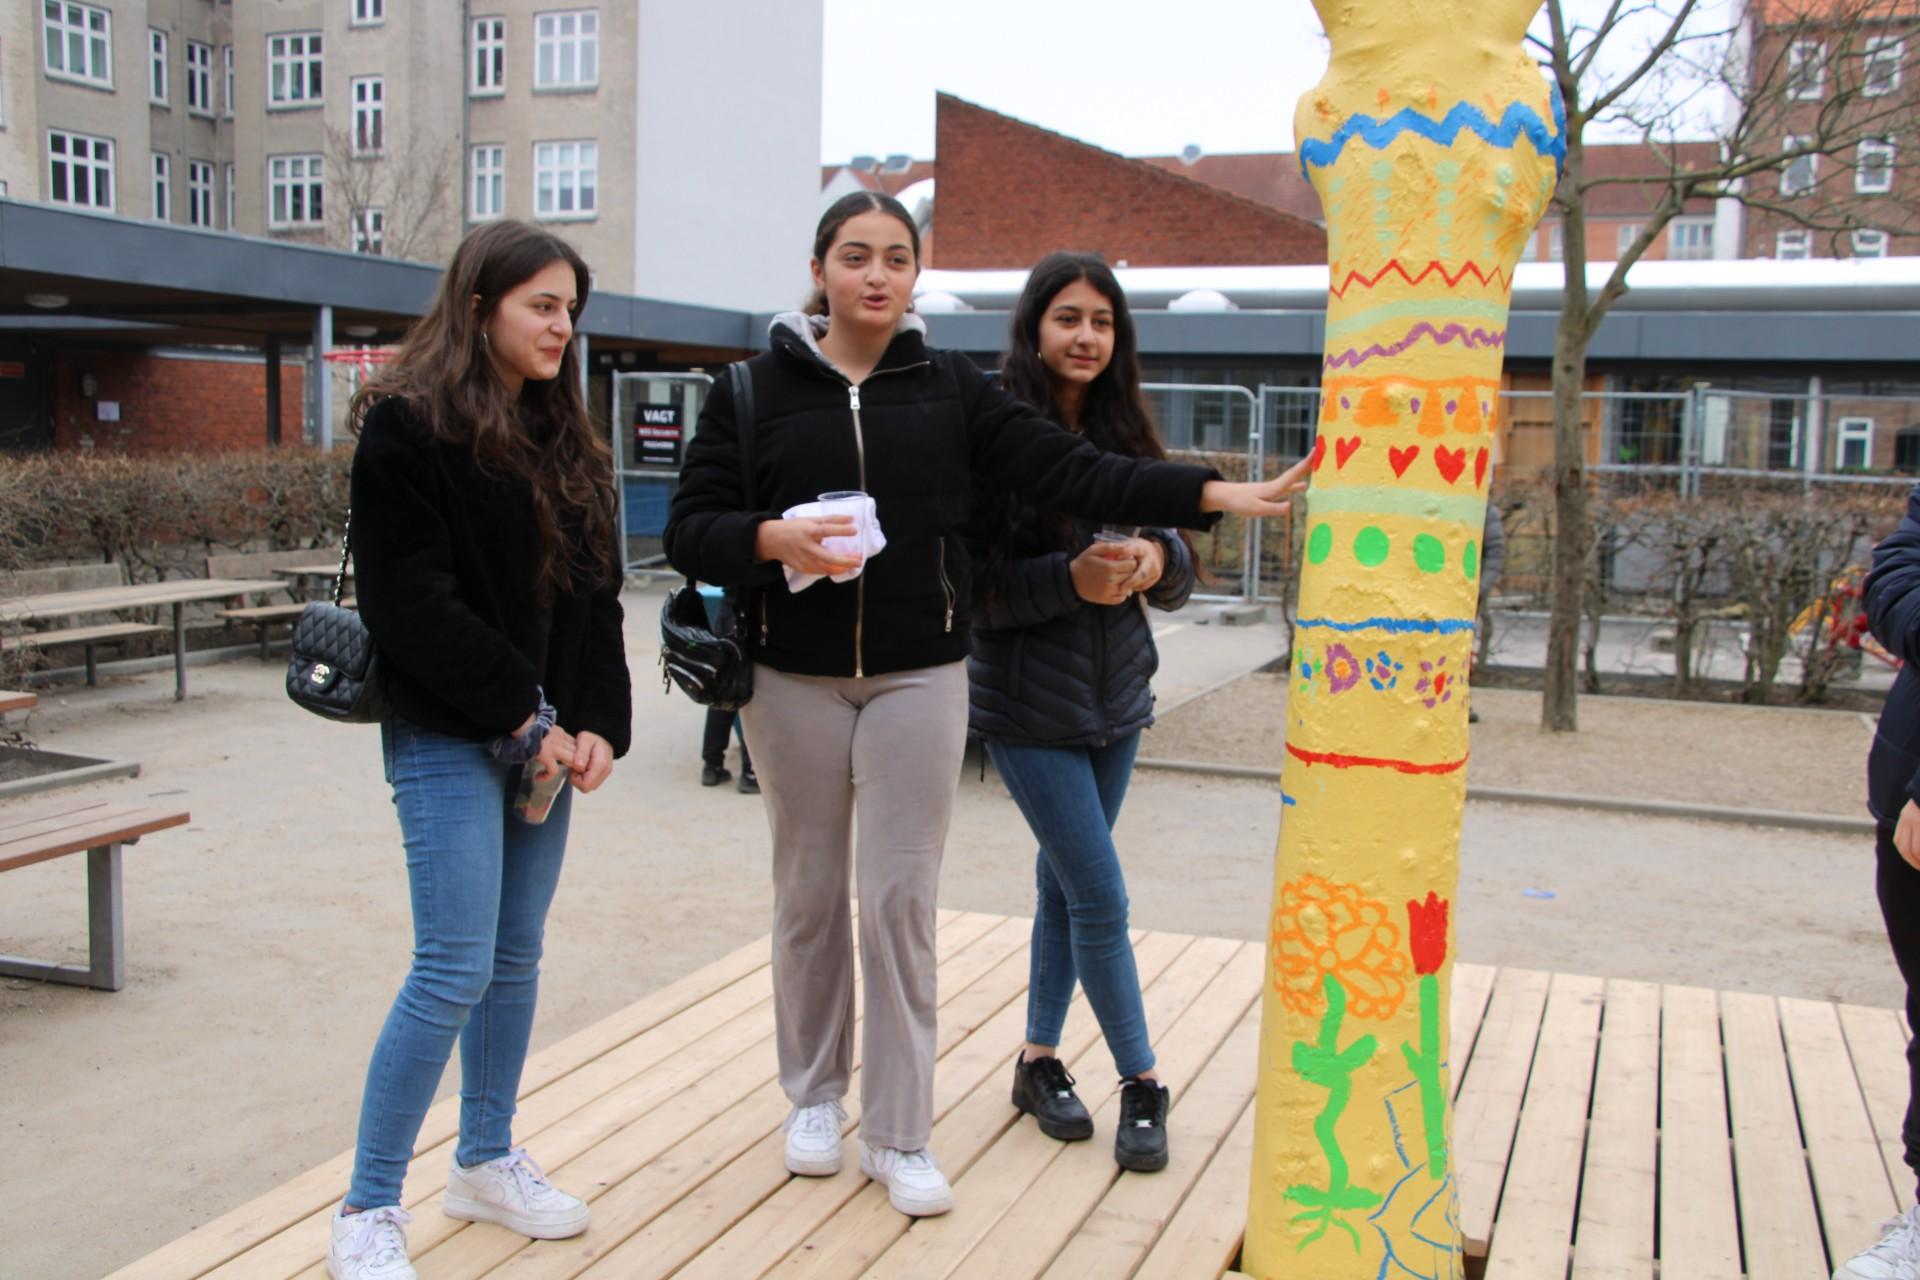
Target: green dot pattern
1470,561
1320,543
1429,553
1370,546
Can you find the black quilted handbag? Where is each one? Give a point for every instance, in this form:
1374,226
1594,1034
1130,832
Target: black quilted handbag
334,670
713,667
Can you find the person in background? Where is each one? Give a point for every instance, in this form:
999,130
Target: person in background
722,725
1493,559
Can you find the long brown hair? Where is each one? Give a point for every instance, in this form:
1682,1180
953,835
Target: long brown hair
443,374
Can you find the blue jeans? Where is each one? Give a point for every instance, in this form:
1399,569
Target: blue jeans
1071,798
481,883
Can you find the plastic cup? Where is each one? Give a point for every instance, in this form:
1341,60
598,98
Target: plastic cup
847,502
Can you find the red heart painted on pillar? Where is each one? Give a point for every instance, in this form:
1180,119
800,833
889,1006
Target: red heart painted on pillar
1402,458
1479,468
1319,454
1451,463
1344,449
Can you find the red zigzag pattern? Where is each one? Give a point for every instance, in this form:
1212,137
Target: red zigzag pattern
1473,269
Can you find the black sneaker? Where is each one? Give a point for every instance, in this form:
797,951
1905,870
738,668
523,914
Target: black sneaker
1043,1089
1140,1143
713,775
749,784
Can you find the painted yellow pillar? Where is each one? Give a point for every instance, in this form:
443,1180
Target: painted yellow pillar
1435,144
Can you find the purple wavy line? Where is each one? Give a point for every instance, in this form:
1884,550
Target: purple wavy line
1471,337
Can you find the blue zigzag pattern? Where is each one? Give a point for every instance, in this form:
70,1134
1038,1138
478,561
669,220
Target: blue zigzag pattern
1518,119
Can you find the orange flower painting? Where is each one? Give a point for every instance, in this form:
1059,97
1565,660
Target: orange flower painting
1322,928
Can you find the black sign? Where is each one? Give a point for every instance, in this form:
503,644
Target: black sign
658,431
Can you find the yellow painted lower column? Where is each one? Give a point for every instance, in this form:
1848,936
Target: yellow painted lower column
1435,144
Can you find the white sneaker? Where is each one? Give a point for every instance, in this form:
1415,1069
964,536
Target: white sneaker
1895,1256
514,1193
913,1181
813,1139
370,1245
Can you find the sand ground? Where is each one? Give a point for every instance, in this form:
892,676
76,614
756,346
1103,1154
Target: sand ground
265,941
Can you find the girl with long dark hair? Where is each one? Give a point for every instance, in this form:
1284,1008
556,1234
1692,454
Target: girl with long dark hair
487,572
1059,684
860,695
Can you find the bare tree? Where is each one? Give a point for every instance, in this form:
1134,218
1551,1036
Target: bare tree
399,201
1801,82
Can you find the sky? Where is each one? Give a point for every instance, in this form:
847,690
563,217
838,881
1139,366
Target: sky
1141,77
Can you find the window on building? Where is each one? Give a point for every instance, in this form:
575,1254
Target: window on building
79,41
3,190
156,67
200,193
293,69
1906,450
162,187
1798,175
369,13
226,72
1873,167
489,55
1690,239
1869,244
1806,69
79,170
370,232
489,182
230,197
200,77
369,115
1794,243
1884,55
1625,235
566,49
565,175
1853,447
294,191
1555,234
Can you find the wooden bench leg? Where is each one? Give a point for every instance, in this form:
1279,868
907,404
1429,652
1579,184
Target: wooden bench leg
93,668
264,654
106,960
179,654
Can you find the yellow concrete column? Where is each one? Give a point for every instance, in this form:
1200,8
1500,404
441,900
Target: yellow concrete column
1435,143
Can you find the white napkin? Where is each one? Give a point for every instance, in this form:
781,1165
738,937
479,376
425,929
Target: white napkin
874,543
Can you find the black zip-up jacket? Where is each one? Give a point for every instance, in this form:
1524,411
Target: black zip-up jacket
1049,669
915,435
445,558
1892,595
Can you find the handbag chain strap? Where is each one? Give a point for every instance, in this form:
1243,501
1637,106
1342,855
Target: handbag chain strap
346,549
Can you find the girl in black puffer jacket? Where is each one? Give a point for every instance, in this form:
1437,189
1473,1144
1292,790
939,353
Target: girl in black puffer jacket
1062,656
860,700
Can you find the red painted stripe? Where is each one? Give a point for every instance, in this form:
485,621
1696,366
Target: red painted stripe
1497,276
1340,761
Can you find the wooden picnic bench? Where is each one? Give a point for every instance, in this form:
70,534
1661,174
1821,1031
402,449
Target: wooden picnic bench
294,566
16,700
101,828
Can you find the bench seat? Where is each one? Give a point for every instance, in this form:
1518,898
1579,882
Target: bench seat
98,634
263,616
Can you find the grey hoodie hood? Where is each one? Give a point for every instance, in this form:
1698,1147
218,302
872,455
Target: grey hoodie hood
811,328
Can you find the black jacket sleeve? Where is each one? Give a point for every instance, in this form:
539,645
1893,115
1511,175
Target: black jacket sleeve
606,686
1892,588
1177,577
1034,589
1014,444
712,524
404,579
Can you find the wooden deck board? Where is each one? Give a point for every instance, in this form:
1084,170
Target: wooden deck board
1752,1125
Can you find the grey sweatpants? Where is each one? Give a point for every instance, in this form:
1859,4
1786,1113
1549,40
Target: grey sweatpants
888,749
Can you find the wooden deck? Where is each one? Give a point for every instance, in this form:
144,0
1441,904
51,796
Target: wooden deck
1601,1125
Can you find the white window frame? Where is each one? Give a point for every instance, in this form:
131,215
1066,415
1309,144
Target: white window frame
1623,237
1690,239
3,188
1802,85
295,62
199,76
488,197
94,163
1555,234
1850,431
487,77
564,35
200,193
368,13
1863,182
157,87
96,41
370,232
1868,243
230,178
162,187
1811,160
226,72
1882,49
369,115
1793,244
557,171
296,181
